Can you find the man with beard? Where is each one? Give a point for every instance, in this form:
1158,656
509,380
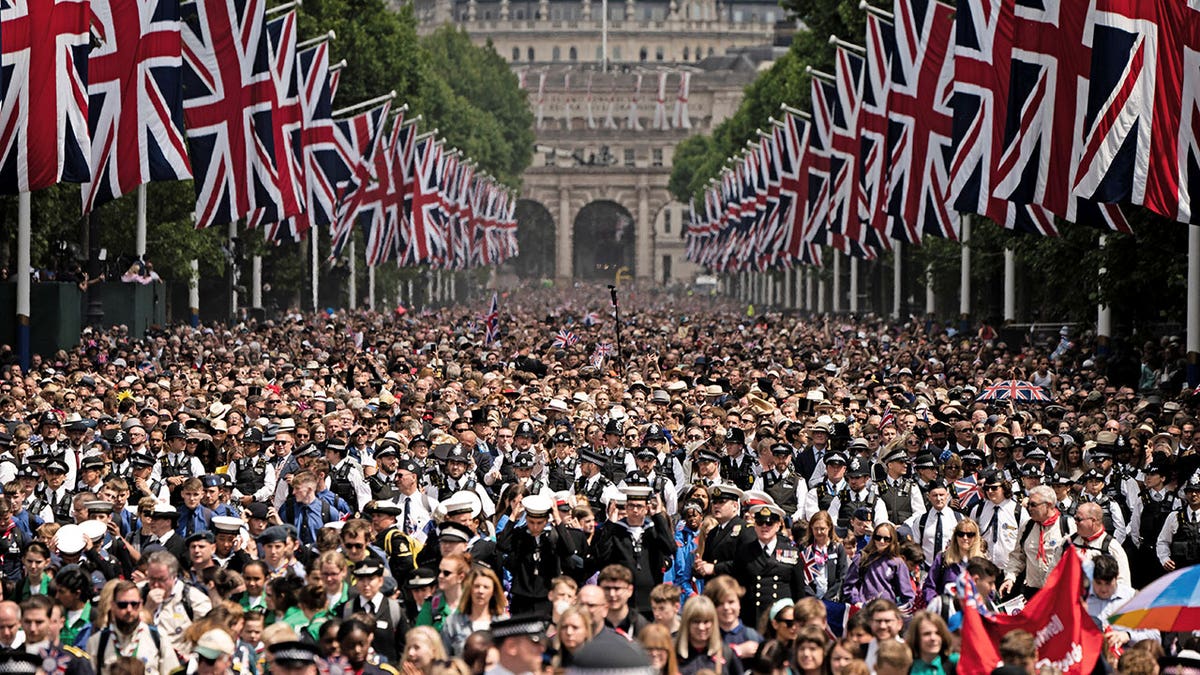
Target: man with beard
457,477
387,461
126,635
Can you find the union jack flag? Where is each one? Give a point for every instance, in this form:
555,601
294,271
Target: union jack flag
888,418
227,104
814,562
872,127
564,338
844,219
379,204
44,104
1050,58
968,492
135,98
602,351
982,65
319,144
492,320
358,141
794,190
1013,390
920,121
427,234
591,319
287,112
820,188
1140,131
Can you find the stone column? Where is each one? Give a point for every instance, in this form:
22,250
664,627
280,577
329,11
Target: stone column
585,10
630,10
504,10
564,236
644,257
472,10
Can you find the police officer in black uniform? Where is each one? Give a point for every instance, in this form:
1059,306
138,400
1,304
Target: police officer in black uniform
1179,542
592,483
250,472
537,552
767,564
899,494
560,473
176,466
782,483
387,460
1150,510
738,465
345,476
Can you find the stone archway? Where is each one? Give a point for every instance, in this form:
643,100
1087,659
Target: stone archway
535,237
604,240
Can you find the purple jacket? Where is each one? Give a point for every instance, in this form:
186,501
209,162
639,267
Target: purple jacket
881,578
940,574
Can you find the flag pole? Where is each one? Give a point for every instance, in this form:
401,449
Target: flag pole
612,290
140,240
24,271
364,104
331,35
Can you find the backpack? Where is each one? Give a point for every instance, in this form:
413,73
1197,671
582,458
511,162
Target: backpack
1062,527
186,599
106,634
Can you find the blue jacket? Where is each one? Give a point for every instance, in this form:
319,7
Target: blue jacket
680,573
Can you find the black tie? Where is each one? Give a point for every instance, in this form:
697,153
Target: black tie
937,534
368,608
991,527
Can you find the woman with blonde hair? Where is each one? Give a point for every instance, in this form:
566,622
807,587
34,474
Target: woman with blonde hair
698,645
422,648
951,563
829,561
574,631
879,571
930,642
482,603
656,640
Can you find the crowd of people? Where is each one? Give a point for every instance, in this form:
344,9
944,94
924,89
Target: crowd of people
710,493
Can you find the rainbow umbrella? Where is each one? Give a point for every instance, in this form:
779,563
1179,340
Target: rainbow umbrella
1170,604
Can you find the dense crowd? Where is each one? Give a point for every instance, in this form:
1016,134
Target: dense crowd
731,492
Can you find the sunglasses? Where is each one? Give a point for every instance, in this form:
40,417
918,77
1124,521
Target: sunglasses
765,521
354,547
128,604
881,537
968,535
446,573
787,622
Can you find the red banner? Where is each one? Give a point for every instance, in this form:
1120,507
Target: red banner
1067,638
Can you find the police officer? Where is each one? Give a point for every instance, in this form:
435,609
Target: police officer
537,552
458,477
858,493
387,460
781,482
648,475
767,564
53,502
897,491
1093,492
1150,510
592,484
176,465
832,482
253,474
668,464
560,474
400,548
345,475
737,466
706,468
1179,542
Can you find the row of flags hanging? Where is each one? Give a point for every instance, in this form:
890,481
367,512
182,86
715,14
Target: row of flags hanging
1022,111
601,109
117,93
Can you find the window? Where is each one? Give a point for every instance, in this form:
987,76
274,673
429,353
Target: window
685,53
519,14
556,54
642,55
668,219
710,53
769,17
658,53
738,16
516,54
699,52
656,157
629,157
530,55
550,158
572,54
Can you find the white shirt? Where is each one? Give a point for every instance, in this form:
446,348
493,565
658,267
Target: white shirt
927,536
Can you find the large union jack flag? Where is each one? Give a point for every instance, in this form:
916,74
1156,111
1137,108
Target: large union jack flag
227,89
44,104
427,221
135,99
1050,63
920,121
845,198
287,116
982,64
1143,106
322,161
794,187
358,142
872,126
379,203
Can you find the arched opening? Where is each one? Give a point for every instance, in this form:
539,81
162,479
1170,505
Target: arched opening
604,240
535,237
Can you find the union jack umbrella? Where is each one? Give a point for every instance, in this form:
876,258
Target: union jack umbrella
1014,390
564,338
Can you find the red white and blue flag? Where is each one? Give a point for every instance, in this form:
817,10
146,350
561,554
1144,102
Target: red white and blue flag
135,98
920,121
1142,117
872,126
227,105
319,144
565,338
43,94
357,141
968,492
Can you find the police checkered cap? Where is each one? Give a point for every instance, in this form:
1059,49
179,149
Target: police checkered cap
293,651
528,625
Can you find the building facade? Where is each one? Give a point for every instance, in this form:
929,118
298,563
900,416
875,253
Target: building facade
607,129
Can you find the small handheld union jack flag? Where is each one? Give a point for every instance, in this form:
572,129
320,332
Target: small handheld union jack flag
492,320
603,350
968,491
591,319
814,562
564,338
